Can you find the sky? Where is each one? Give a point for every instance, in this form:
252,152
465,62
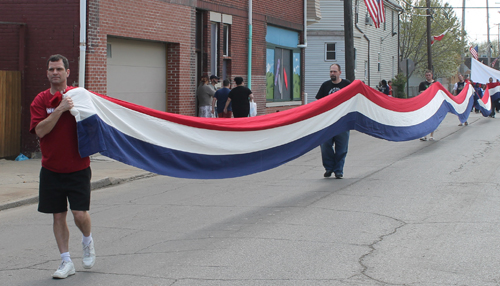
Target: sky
476,18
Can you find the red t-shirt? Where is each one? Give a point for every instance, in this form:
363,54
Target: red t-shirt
60,146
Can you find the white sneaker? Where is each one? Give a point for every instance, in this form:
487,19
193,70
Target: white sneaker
88,255
65,269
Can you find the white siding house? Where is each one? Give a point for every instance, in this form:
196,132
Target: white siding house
376,49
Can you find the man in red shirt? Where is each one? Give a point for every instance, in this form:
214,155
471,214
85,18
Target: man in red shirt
64,176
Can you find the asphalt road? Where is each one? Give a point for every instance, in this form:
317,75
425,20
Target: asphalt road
408,213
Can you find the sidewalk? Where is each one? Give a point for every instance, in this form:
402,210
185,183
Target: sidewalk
19,179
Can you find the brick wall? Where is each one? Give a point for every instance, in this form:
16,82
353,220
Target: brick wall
9,47
163,21
52,27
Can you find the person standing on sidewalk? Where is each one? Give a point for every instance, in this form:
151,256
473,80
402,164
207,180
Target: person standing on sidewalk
384,88
389,84
240,98
220,98
334,159
205,93
214,81
64,175
421,88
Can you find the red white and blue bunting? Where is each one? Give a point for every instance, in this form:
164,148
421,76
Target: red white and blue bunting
214,148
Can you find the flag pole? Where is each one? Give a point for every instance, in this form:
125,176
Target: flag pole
488,25
462,70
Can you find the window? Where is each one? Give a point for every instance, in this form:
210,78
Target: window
368,19
225,40
378,66
330,54
214,51
283,74
200,37
108,51
355,65
283,65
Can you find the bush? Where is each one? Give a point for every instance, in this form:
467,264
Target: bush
398,86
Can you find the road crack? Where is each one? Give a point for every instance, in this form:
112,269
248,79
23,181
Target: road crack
373,249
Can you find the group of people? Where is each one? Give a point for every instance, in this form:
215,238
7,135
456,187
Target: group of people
65,176
479,92
334,150
385,87
457,88
224,102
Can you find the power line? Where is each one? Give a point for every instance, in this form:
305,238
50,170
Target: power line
451,7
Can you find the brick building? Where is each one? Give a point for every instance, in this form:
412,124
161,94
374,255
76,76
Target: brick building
153,52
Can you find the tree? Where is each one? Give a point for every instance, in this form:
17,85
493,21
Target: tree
398,86
413,39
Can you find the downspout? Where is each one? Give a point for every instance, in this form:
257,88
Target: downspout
249,71
83,43
399,43
304,45
364,35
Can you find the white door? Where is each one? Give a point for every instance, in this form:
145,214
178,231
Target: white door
136,72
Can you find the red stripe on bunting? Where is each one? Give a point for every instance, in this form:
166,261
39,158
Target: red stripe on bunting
300,113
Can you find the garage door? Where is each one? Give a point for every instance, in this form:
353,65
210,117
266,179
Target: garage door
136,72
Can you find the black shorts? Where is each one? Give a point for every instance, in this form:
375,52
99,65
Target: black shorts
56,189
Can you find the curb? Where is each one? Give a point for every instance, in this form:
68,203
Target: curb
110,181
99,184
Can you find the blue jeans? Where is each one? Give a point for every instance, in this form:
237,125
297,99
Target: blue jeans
333,160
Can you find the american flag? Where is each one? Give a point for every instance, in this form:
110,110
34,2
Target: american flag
494,62
474,51
376,10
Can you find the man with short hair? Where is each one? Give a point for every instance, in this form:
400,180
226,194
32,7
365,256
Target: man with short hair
494,104
457,88
334,159
64,175
421,88
220,97
428,81
239,97
214,80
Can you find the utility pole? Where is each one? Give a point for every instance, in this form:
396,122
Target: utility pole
488,26
349,40
429,50
462,55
